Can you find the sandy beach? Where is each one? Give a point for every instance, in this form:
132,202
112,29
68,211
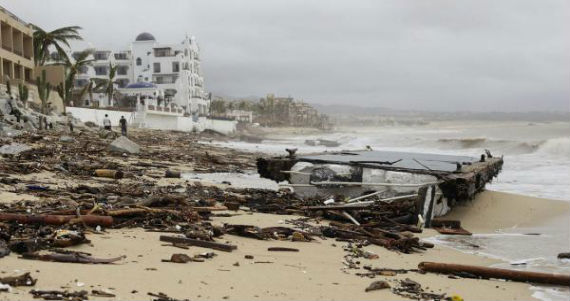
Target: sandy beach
315,272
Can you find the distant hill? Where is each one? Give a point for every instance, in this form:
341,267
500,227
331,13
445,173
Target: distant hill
353,111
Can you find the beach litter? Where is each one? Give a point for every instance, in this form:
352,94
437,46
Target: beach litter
22,280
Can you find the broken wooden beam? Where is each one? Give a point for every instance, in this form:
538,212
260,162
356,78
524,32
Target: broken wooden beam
486,272
198,243
282,249
46,219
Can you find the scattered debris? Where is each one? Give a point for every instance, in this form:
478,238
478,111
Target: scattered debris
449,227
71,258
164,297
178,258
377,285
59,295
101,293
413,290
22,280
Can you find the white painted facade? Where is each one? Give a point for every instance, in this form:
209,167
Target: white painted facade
173,68
155,118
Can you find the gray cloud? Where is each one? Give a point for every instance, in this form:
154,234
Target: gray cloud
431,55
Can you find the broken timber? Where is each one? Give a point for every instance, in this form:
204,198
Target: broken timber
46,219
198,243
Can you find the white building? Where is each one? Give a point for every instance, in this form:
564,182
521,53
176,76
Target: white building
173,68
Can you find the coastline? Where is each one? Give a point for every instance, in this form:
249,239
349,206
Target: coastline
316,272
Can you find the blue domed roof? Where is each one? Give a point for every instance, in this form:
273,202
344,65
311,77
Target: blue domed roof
140,85
145,36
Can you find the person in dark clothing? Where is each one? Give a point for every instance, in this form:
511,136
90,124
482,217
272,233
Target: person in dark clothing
123,123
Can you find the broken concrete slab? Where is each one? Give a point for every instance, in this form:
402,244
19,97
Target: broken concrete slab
106,134
124,145
10,132
13,149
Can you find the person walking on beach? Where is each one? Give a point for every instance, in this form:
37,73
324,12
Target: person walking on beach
123,123
107,123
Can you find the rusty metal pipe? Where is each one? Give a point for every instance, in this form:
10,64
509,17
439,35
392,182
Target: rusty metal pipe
485,272
171,174
108,173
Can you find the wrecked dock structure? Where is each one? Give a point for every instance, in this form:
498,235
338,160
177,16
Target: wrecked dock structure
361,178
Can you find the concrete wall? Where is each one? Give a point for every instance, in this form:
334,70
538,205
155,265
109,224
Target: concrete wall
55,74
186,124
155,121
227,127
161,122
96,116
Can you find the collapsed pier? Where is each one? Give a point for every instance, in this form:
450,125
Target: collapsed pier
436,182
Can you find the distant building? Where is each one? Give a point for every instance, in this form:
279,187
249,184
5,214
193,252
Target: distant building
173,68
240,116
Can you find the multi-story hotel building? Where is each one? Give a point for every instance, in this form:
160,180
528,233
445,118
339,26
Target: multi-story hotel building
173,68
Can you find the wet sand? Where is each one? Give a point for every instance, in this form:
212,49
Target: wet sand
314,273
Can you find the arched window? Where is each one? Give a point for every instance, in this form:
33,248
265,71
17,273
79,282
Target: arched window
139,61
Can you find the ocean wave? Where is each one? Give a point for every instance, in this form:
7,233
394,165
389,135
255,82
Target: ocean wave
558,147
507,146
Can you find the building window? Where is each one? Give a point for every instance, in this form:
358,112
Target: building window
101,56
100,70
162,52
122,70
185,52
120,56
156,67
83,69
175,67
139,61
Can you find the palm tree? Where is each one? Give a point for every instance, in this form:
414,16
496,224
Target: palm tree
109,82
92,86
65,89
43,40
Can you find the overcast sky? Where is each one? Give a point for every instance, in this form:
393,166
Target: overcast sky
428,55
